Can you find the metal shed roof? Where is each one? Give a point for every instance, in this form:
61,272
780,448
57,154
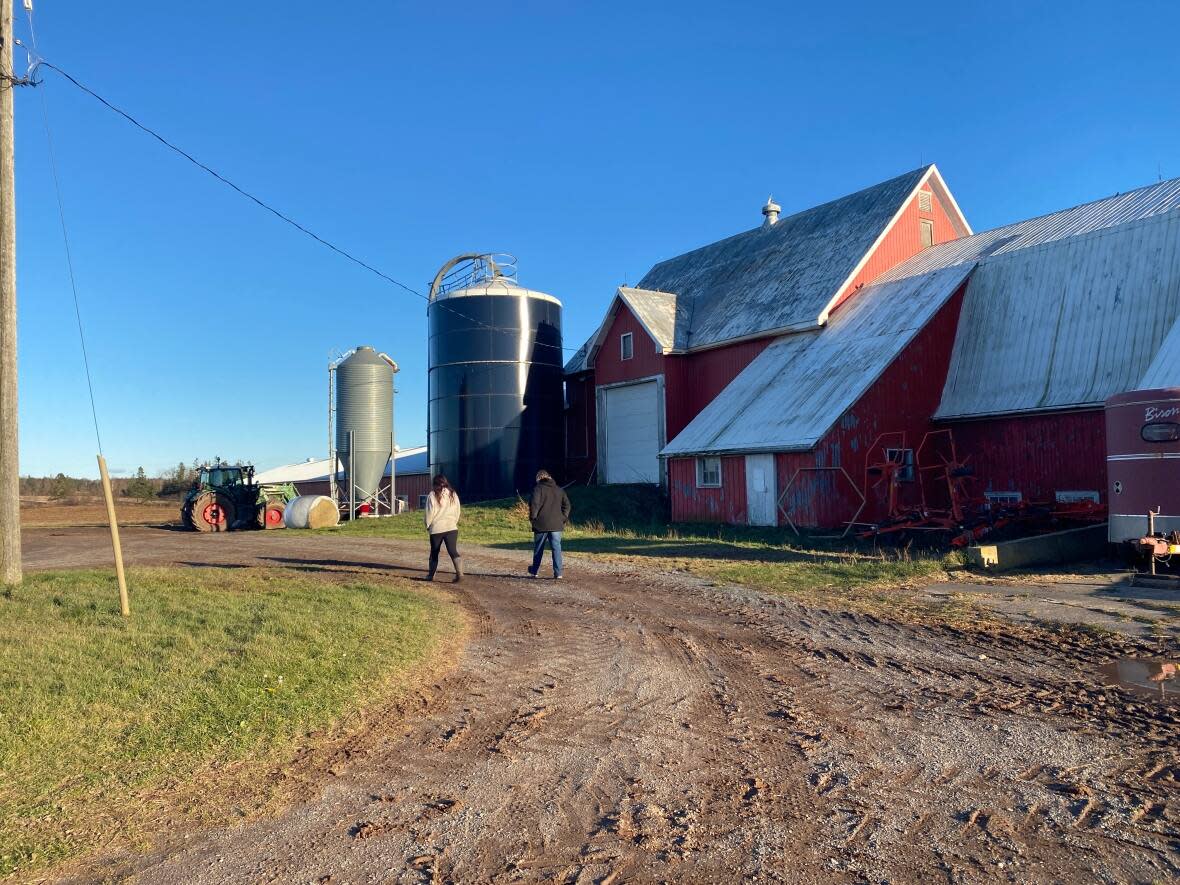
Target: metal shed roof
1073,319
409,461
796,389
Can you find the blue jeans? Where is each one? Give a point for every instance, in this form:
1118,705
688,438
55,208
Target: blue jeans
540,539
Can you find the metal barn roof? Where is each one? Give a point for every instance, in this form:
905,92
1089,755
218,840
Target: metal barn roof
1069,321
772,279
409,461
782,277
796,389
1164,370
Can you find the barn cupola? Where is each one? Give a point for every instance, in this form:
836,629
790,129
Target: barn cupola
770,212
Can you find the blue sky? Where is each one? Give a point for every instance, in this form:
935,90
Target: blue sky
590,140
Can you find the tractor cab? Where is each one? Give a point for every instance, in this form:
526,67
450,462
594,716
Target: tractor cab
224,476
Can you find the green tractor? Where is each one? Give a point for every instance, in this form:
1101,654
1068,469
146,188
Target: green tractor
225,498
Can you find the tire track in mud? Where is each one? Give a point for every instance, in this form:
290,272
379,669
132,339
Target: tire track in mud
648,727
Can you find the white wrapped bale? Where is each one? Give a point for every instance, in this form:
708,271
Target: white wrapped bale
311,512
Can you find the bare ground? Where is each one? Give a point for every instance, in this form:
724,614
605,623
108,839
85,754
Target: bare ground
633,726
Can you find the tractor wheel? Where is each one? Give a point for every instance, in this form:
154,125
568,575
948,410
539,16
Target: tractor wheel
212,512
270,515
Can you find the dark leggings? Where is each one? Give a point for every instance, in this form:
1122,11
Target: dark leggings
451,539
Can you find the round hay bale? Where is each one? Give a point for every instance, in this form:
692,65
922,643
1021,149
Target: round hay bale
311,512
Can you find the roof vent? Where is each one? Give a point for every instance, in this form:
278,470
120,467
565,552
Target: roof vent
770,212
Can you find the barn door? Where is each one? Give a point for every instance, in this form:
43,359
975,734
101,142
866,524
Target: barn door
761,490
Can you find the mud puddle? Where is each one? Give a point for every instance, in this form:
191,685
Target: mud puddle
1159,679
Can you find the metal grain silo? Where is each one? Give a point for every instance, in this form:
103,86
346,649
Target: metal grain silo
495,379
364,421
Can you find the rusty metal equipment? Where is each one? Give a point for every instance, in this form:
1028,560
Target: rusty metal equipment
836,470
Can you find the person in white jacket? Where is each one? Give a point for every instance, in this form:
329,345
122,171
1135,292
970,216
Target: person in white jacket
442,523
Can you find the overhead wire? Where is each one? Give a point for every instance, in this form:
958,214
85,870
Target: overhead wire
40,62
65,236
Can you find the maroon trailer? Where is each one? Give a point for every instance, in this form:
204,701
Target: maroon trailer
1143,463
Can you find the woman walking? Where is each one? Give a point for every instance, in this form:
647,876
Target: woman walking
442,523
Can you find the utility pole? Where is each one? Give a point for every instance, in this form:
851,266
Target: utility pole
10,564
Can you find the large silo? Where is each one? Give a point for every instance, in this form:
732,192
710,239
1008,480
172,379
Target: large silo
364,421
495,386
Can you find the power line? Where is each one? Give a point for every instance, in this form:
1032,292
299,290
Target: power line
39,61
65,237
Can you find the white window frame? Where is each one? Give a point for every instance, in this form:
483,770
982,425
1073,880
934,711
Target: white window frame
1003,499
925,201
702,467
906,458
924,224
626,346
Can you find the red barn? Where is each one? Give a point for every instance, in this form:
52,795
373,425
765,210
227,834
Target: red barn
820,340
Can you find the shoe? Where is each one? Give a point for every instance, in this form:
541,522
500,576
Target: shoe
532,574
558,578
458,570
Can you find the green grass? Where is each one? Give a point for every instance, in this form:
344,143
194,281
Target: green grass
216,667
631,523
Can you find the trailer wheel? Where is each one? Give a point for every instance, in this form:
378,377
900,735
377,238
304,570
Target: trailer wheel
270,515
212,512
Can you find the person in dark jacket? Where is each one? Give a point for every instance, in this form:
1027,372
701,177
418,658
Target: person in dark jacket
549,511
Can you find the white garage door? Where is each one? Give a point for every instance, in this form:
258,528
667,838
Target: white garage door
632,434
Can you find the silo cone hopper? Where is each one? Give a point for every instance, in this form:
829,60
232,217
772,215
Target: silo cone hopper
364,427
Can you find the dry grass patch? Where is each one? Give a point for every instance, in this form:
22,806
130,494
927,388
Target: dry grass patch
219,674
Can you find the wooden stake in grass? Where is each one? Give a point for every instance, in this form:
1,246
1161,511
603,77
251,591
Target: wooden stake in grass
124,603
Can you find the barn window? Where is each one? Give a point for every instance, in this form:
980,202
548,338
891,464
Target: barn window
626,346
1003,499
1160,431
904,457
708,473
927,232
421,502
924,200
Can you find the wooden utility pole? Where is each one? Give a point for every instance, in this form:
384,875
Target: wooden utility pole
10,565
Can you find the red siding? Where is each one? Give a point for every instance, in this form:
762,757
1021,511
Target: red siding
581,429
693,380
690,504
610,368
903,242
1037,455
901,400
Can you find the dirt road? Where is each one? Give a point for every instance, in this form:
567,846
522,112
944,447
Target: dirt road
635,727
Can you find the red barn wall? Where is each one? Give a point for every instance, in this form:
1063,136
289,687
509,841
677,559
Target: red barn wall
690,504
693,380
411,485
611,368
903,242
901,400
1037,455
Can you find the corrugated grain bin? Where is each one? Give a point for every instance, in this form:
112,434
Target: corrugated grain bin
1143,461
497,406
311,512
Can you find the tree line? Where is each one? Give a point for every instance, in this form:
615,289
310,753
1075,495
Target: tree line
171,484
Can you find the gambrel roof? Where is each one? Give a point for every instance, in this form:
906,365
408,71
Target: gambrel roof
772,279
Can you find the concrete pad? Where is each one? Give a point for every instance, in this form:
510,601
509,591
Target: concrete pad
1070,545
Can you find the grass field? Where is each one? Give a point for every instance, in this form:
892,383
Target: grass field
217,676
50,514
631,523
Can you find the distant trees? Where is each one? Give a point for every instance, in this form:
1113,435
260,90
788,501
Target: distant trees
178,481
140,487
62,486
